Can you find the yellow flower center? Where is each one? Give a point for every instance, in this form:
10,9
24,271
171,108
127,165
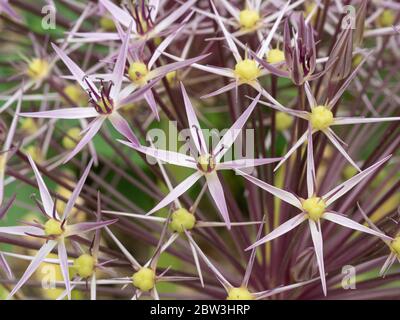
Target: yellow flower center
53,227
387,18
395,246
35,153
171,77
206,163
248,18
144,279
38,69
314,207
72,137
240,293
357,60
76,94
107,24
275,56
28,125
182,220
247,70
84,265
321,118
283,121
138,73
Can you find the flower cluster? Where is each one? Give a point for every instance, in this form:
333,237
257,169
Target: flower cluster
117,180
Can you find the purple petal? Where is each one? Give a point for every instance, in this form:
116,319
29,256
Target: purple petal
246,163
122,126
152,103
67,113
35,263
62,255
4,265
47,201
91,132
316,236
178,191
84,227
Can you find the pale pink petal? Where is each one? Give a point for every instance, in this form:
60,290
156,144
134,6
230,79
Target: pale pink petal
268,293
93,281
40,256
62,255
281,230
122,16
173,16
178,191
152,103
125,251
22,230
226,88
338,146
67,113
245,163
281,194
75,70
218,194
388,263
83,227
230,136
194,125
196,262
77,190
122,126
346,222
355,120
293,149
47,201
207,261
227,35
316,235
119,68
346,186
171,157
5,266
310,97
310,165
91,132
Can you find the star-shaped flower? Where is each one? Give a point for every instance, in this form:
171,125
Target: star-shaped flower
207,163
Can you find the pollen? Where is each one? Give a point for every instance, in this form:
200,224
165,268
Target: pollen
29,125
107,24
314,207
71,138
395,246
386,18
53,227
248,18
321,118
138,73
283,121
76,94
241,293
206,163
182,220
275,56
171,77
38,69
84,265
144,279
247,70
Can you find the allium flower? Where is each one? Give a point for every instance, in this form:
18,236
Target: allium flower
206,162
115,131
55,231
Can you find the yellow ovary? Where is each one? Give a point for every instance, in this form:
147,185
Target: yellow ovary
138,73
240,293
321,118
247,70
84,265
248,18
38,69
144,279
275,56
72,138
314,207
283,121
182,220
53,227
